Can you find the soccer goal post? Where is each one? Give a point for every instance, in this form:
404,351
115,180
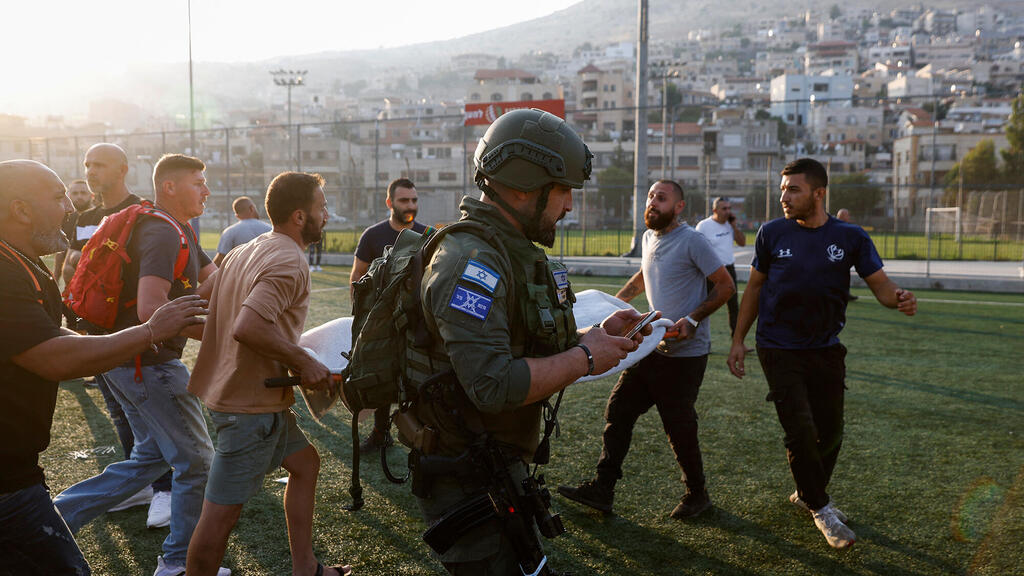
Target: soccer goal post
940,223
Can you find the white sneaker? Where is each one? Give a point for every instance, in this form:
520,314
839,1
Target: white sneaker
140,498
836,533
795,499
163,569
159,510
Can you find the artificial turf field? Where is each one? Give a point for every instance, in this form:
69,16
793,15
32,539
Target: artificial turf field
931,472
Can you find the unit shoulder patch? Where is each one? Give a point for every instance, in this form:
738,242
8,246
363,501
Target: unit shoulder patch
472,303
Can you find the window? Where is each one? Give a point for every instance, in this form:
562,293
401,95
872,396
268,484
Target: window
496,97
687,161
546,96
527,96
446,176
731,164
820,87
732,140
475,97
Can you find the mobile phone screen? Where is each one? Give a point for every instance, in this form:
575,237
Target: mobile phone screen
643,321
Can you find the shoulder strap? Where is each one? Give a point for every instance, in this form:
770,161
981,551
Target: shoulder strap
183,250
13,256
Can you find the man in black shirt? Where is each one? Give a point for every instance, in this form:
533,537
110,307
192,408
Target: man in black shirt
33,536
403,203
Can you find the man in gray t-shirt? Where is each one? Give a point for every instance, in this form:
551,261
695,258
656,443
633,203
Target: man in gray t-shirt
248,227
678,262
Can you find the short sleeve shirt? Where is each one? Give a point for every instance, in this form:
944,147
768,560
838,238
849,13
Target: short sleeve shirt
676,266
153,250
87,222
241,232
802,304
379,236
720,236
268,275
27,400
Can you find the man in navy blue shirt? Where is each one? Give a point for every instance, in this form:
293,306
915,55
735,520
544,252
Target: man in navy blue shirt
403,203
803,263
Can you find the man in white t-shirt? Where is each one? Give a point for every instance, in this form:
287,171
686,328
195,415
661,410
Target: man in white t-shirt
721,231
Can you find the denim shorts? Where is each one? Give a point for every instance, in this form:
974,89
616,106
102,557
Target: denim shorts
248,447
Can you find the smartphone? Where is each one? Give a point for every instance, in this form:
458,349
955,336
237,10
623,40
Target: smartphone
643,321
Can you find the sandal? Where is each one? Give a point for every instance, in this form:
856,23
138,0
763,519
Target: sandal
343,570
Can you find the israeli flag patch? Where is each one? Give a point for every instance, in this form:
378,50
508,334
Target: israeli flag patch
561,284
481,275
473,303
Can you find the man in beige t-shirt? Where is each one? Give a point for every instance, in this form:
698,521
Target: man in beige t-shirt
257,311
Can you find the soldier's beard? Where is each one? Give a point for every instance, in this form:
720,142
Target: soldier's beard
542,230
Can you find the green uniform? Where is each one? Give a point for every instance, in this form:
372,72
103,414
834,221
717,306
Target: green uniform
487,315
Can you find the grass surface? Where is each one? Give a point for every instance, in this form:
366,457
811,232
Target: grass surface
931,472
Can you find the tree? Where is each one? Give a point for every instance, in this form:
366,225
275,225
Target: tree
616,182
979,171
855,192
1013,156
834,12
615,188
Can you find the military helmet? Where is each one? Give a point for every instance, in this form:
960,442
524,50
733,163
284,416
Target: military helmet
527,149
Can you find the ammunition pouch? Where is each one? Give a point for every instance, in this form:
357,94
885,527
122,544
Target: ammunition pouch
413,434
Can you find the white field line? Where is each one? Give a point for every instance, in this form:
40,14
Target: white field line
928,300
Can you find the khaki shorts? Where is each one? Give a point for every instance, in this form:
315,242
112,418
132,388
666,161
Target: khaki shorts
248,447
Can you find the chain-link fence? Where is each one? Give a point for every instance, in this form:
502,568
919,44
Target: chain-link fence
739,160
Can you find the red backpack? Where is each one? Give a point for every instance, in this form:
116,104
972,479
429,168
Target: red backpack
94,293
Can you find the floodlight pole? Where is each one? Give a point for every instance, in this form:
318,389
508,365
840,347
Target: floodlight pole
640,133
191,92
289,79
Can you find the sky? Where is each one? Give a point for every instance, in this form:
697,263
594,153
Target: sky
50,46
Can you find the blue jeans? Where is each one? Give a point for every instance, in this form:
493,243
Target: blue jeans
170,430
124,430
34,538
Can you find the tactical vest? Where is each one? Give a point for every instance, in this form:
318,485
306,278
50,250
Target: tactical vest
542,320
542,324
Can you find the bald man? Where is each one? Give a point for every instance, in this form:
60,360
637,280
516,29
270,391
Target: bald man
106,167
248,227
33,537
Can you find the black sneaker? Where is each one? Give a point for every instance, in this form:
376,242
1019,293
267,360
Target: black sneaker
374,442
590,493
692,504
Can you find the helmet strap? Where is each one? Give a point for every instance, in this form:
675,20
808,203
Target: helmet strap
491,193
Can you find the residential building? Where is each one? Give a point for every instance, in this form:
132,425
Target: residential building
792,95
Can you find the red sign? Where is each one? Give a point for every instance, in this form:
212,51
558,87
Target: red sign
485,113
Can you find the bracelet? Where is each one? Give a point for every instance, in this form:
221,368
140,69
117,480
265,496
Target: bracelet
590,359
152,345
691,321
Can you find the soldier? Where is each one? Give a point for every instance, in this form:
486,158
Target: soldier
503,341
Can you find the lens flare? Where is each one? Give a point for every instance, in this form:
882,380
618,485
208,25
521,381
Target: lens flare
976,509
